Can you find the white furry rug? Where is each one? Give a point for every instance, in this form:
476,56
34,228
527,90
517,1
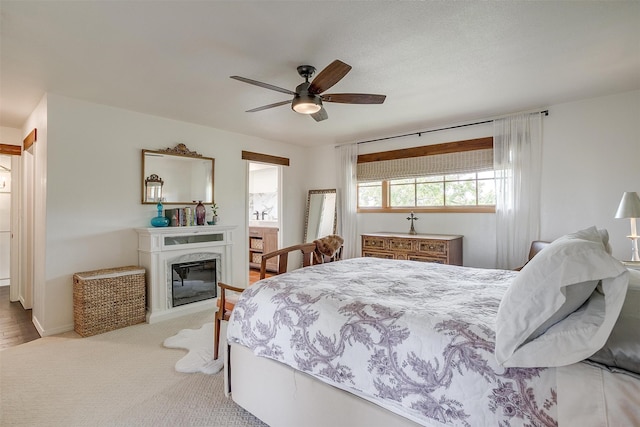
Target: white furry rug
199,343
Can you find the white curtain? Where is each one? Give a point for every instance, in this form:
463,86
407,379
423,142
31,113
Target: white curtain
517,145
347,159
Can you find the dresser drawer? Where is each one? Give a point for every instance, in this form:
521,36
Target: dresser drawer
371,254
400,245
433,247
424,258
369,242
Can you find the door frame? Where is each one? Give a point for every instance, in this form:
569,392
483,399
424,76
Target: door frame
279,169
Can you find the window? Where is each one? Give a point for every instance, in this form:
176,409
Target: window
370,194
442,178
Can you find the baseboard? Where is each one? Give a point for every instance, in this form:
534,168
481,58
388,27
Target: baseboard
52,331
182,310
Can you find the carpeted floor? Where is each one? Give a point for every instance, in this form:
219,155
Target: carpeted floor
121,378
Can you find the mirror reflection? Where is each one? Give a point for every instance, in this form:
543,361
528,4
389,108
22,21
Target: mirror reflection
153,188
320,218
176,176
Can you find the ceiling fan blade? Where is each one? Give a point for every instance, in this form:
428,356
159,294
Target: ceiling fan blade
320,115
354,98
264,85
329,76
264,107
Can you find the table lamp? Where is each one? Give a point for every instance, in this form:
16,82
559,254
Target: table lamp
630,208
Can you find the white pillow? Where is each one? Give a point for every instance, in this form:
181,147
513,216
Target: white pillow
550,315
622,349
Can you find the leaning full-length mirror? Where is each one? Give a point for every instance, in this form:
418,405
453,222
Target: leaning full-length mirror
320,218
176,176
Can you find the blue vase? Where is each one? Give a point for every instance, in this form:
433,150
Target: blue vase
160,220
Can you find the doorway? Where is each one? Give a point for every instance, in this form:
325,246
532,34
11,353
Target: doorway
5,219
264,207
17,326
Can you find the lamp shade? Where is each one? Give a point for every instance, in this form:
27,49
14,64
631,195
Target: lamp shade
306,104
629,205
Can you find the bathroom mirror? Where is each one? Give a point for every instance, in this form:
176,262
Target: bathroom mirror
186,176
320,218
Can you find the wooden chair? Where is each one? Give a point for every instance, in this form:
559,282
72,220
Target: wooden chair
307,250
536,246
227,302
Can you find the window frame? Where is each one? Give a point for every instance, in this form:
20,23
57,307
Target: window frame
444,148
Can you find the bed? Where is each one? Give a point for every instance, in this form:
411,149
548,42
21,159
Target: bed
367,342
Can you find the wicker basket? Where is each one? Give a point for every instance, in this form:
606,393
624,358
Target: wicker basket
104,300
256,258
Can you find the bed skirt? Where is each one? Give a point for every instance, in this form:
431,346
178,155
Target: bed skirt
283,397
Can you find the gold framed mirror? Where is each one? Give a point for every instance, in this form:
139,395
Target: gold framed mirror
320,218
176,176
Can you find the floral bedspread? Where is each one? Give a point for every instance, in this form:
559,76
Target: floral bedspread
416,338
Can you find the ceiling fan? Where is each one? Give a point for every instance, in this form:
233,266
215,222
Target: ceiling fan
308,97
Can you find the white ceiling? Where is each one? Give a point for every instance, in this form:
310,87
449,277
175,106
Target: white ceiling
439,63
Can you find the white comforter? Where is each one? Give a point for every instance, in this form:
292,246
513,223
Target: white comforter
416,338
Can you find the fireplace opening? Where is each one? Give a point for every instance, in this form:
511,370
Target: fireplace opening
193,281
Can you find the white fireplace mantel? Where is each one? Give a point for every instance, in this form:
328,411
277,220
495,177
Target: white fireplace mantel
159,246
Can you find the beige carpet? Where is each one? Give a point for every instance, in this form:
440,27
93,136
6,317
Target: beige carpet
120,378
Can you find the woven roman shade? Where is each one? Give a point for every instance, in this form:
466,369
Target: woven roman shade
437,164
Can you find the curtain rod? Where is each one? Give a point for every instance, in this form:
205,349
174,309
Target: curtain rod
545,112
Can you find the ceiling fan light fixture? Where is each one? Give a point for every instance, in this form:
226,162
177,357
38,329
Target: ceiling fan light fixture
309,96
306,104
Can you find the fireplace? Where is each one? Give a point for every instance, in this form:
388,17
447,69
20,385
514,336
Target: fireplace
184,266
193,281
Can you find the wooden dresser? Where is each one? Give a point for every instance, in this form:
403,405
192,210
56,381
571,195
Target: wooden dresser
263,240
441,248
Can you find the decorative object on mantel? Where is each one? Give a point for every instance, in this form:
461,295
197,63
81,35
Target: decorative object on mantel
630,208
214,214
182,150
159,220
153,188
412,218
201,213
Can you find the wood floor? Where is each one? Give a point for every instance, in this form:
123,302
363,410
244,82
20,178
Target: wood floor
254,275
15,322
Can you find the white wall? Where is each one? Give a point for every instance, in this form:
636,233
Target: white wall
591,155
93,192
